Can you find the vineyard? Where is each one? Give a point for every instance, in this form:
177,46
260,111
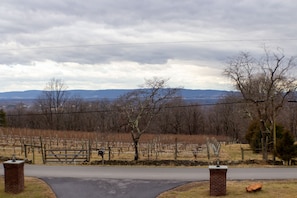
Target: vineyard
46,146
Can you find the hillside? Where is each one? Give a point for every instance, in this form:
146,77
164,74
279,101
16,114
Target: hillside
27,97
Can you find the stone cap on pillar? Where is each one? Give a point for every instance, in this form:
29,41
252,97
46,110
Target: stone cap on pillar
218,167
14,162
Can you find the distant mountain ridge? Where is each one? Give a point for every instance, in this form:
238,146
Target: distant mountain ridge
204,96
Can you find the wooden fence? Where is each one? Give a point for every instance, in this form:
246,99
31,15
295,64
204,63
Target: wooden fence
54,149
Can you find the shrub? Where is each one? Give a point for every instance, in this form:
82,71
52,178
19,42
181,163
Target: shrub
254,136
2,118
286,150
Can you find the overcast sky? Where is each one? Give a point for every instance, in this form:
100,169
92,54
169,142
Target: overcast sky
108,44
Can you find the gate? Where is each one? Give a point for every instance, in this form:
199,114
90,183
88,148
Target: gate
66,156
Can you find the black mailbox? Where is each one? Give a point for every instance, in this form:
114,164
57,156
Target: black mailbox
101,152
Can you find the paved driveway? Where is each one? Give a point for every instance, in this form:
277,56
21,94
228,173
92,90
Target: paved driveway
109,188
111,182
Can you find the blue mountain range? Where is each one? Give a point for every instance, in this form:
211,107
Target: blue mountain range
203,96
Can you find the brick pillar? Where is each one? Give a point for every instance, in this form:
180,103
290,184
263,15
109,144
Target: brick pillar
218,180
14,176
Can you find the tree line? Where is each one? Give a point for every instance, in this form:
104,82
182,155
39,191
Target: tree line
177,116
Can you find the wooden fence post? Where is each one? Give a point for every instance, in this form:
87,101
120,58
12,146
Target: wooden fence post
108,147
89,151
242,153
22,144
65,155
175,150
33,152
148,151
25,151
44,153
41,149
208,154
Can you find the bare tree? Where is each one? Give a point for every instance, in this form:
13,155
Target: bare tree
174,116
141,106
19,118
230,116
288,115
181,117
194,119
74,111
265,83
51,102
2,118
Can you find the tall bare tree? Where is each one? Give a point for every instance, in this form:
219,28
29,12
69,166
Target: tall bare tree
2,118
51,102
265,83
141,106
229,117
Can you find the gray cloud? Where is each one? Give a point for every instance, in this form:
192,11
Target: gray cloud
144,32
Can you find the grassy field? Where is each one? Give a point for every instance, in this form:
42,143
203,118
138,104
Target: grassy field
34,188
235,189
231,152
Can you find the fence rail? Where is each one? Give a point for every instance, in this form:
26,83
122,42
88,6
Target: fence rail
66,155
77,149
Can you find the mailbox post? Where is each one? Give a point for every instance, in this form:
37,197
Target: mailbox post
218,180
101,153
14,176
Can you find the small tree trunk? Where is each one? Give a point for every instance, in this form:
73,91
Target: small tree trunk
135,138
266,148
136,156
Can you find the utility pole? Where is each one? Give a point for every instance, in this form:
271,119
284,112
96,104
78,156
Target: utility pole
274,133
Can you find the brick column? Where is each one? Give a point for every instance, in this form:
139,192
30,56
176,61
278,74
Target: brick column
14,176
218,180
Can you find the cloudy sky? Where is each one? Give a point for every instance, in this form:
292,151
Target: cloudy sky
115,44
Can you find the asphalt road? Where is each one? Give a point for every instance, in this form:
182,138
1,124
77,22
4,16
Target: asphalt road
99,181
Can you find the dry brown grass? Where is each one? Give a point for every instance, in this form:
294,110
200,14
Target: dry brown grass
34,188
235,189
